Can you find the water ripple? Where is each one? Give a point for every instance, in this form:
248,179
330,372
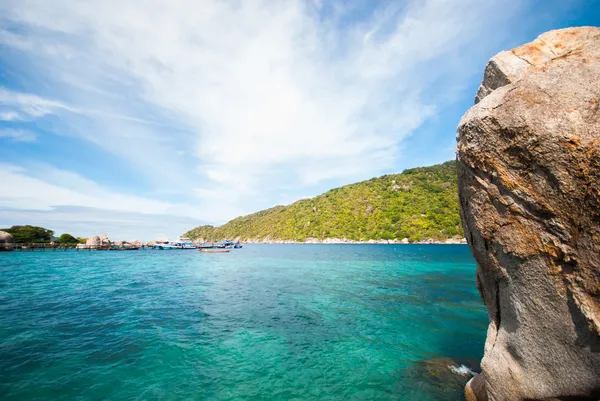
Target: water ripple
266,322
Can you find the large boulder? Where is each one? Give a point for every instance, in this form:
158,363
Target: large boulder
94,240
7,242
529,180
104,239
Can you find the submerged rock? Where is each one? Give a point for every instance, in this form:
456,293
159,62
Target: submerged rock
529,181
441,378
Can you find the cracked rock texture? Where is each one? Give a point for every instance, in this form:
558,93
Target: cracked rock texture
529,180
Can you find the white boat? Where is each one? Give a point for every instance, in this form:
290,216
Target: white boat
181,243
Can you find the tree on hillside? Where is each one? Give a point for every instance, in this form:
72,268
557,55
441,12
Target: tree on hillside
29,234
67,239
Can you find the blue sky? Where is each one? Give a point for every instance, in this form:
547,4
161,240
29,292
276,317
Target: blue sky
145,118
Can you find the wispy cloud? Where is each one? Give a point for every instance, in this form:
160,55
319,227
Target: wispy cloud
225,103
9,116
28,106
42,187
67,202
17,135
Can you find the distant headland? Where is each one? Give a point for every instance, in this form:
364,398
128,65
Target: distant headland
418,206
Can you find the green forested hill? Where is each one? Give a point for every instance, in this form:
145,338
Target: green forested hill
420,203
29,234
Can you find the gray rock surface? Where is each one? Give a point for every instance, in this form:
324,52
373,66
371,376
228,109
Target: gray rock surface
529,180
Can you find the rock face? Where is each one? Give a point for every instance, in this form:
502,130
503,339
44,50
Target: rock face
529,180
6,241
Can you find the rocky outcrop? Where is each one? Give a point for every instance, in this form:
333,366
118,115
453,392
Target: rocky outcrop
104,239
7,242
94,240
529,180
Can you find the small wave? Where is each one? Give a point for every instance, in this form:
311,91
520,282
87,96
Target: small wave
462,370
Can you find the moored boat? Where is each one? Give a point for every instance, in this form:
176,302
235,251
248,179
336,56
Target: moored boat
181,243
227,244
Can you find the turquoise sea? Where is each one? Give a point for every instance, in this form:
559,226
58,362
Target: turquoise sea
267,322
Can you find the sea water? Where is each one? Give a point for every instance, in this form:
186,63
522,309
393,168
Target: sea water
266,322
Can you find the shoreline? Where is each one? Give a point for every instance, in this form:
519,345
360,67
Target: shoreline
337,241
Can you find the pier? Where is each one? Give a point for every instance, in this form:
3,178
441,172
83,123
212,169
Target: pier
46,247
40,247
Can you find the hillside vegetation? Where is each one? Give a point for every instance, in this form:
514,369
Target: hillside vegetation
29,234
418,204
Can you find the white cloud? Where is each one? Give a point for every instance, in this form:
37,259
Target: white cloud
32,107
29,105
66,202
9,116
255,95
17,135
23,190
